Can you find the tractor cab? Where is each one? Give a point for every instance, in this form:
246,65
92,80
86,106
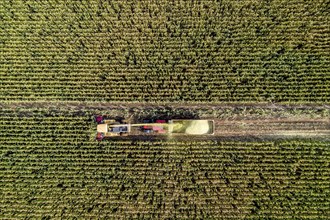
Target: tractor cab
118,129
110,128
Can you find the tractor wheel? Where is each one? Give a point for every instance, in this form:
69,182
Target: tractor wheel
98,119
99,136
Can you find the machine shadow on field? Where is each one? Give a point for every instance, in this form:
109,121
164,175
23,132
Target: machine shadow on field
215,138
166,113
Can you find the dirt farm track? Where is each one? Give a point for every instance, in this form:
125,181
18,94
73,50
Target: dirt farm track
236,121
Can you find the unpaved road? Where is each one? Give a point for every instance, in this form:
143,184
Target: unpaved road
283,127
231,120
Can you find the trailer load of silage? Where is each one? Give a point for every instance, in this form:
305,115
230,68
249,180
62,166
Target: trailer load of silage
198,127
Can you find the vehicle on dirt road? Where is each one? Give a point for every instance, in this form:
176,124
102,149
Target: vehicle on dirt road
108,128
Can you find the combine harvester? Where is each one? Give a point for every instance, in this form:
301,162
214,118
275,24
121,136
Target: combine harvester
108,128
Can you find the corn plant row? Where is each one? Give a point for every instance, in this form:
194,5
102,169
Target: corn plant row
66,176
205,51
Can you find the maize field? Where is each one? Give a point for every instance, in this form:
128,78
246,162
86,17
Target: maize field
258,66
51,168
165,51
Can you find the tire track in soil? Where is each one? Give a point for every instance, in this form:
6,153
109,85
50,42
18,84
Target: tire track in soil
277,127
